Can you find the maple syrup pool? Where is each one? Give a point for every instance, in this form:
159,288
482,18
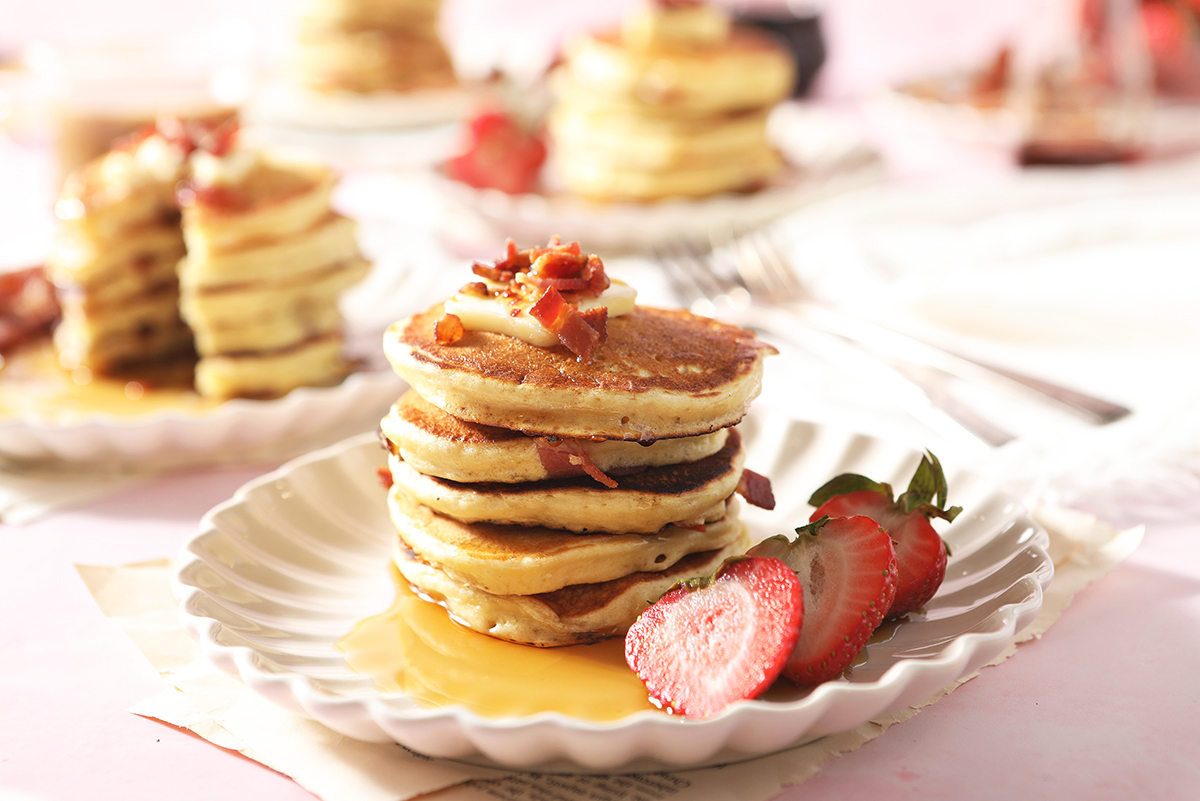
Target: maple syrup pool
414,648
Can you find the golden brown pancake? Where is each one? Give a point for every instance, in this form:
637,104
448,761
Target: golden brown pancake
660,374
438,444
641,503
267,261
748,70
523,560
673,105
577,613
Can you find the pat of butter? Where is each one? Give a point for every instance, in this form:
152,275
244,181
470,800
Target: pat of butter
210,170
512,318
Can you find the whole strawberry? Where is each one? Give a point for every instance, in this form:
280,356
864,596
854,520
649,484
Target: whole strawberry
920,550
499,154
847,566
709,642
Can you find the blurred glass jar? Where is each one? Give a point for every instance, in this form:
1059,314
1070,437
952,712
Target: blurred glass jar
1082,83
89,94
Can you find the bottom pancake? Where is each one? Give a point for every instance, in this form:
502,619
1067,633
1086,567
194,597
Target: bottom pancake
579,613
272,374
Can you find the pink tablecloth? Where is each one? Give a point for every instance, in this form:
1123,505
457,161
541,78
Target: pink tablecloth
1100,708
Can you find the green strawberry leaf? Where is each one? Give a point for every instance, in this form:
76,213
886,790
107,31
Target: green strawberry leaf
928,490
811,529
847,483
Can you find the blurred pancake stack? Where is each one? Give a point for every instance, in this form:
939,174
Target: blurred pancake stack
367,46
247,277
564,456
674,104
113,260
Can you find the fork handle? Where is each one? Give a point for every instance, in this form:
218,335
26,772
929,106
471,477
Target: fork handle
885,340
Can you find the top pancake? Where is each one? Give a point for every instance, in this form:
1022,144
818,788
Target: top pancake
660,374
748,70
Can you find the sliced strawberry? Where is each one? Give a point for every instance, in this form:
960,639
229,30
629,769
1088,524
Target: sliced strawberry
710,642
847,566
921,552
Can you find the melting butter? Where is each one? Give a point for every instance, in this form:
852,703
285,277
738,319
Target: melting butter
511,316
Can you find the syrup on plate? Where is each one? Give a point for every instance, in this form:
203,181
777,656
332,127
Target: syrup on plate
416,649
33,385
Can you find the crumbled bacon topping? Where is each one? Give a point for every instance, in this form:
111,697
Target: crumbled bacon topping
216,136
756,489
28,307
385,477
448,329
554,278
564,457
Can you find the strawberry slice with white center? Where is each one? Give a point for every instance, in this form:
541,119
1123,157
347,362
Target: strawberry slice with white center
712,641
847,566
921,552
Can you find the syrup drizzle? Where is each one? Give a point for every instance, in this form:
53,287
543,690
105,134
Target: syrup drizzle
416,649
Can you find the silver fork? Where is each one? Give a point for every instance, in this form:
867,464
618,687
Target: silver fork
753,273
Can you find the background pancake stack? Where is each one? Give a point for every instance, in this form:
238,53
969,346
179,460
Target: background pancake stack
366,46
266,262
248,277
674,104
113,260
546,500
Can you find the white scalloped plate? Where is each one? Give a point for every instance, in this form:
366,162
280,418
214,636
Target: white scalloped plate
242,429
279,573
237,429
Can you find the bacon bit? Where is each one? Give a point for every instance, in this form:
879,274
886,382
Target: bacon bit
578,335
214,135
385,477
558,263
566,457
549,310
598,279
28,307
515,260
219,139
476,288
572,328
701,527
562,284
597,318
495,274
756,489
448,330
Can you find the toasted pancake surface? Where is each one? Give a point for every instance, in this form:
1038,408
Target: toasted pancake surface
574,614
641,502
438,444
525,560
660,374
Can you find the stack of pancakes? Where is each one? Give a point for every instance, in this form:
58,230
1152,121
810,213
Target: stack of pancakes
247,277
366,46
674,104
266,261
547,500
113,260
